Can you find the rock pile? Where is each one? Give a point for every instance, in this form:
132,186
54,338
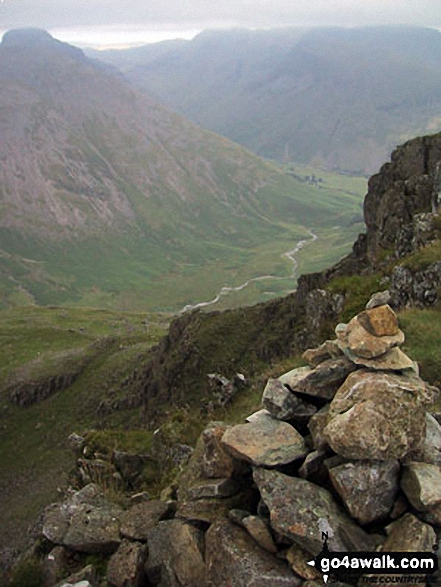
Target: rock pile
343,446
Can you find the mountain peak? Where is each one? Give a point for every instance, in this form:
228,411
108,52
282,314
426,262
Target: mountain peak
38,39
27,37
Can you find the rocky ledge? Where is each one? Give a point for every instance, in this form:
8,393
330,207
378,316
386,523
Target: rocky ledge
344,445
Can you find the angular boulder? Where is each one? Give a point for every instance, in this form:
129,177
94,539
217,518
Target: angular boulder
282,403
142,517
421,483
256,527
409,534
379,321
176,555
321,382
126,565
234,558
328,350
86,522
301,511
215,462
367,488
265,442
370,334
377,416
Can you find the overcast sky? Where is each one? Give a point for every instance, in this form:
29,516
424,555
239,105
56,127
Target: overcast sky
108,21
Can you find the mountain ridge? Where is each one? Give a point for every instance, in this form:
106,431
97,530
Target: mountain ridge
343,98
113,196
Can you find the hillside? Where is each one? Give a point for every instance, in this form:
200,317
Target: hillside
110,200
149,404
341,98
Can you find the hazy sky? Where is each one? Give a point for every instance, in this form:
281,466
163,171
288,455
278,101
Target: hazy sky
115,21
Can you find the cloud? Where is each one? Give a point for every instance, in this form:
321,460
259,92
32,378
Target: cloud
212,13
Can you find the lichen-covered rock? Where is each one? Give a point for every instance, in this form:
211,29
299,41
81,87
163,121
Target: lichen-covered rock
215,462
175,556
380,298
282,403
265,442
377,416
409,534
379,321
421,482
357,340
316,426
234,558
256,527
298,559
327,350
321,382
430,451
142,517
313,466
301,511
367,488
392,360
208,510
126,567
86,522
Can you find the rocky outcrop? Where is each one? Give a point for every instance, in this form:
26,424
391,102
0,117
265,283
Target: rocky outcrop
401,216
255,499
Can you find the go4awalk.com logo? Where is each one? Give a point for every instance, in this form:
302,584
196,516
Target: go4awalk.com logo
374,567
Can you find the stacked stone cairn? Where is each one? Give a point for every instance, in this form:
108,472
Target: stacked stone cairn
344,446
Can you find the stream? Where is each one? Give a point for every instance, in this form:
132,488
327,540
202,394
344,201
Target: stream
290,255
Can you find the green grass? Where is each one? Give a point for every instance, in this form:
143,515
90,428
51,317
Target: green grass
423,340
34,453
184,252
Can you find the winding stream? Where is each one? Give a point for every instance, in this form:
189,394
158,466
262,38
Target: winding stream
290,255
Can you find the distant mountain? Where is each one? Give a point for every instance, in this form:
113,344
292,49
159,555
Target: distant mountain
338,97
108,198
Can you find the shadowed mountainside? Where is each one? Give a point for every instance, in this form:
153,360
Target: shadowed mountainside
343,98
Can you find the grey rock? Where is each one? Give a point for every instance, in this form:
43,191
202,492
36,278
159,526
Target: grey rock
298,559
409,534
234,558
377,416
321,382
327,350
356,340
367,488
265,442
421,483
175,555
210,509
126,567
313,466
393,360
142,517
256,527
316,427
379,299
85,577
430,451
86,522
300,511
282,403
215,461
256,415
218,488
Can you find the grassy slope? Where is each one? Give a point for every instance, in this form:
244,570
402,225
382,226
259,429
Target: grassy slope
34,456
207,249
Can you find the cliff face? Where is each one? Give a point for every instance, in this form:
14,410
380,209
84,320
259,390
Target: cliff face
408,185
198,344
